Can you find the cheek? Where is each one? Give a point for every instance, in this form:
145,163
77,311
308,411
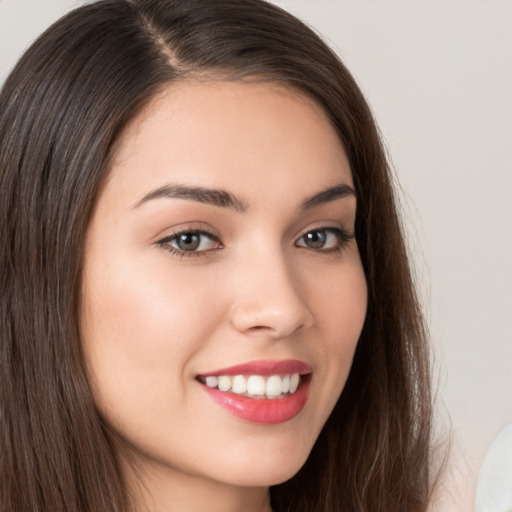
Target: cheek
347,309
349,303
341,311
340,301
141,325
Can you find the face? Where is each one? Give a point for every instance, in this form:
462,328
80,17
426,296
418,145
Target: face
223,292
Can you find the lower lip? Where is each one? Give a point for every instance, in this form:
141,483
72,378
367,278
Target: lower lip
261,410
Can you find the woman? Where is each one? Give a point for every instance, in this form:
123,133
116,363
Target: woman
207,303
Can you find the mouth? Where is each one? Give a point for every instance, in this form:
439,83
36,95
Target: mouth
261,391
255,386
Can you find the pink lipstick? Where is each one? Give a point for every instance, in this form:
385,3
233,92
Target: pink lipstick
267,392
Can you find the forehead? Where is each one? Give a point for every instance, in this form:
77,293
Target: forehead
229,134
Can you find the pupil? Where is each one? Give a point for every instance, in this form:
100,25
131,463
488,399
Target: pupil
188,241
316,239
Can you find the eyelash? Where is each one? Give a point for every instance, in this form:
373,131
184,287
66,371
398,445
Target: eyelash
168,240
342,235
343,238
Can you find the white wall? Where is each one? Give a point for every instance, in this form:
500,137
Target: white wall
439,77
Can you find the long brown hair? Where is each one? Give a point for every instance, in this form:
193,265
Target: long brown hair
61,110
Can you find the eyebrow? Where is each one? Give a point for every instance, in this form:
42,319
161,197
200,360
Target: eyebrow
338,191
224,199
214,197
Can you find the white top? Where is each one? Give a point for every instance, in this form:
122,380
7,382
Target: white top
494,488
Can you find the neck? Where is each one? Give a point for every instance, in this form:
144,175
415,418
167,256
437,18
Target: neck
168,490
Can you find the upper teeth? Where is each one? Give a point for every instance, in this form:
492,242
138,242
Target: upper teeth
255,385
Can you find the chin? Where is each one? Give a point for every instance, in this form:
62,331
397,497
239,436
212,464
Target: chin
265,470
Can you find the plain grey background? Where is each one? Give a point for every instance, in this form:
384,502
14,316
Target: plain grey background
438,75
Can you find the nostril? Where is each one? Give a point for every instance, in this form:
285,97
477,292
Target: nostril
258,329
275,332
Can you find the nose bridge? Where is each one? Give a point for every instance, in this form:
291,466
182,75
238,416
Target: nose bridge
268,297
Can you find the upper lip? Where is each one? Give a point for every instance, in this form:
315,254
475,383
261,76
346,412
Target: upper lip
264,367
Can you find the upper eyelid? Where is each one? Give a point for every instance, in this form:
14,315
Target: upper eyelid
325,227
192,227
213,234
199,231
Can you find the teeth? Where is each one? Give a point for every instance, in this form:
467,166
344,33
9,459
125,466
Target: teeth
211,382
285,383
224,383
294,382
239,385
255,385
273,386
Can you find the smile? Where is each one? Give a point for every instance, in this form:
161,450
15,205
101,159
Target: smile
261,391
255,386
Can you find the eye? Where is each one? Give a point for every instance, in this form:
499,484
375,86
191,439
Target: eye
325,239
188,242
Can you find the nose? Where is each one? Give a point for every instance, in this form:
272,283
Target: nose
269,300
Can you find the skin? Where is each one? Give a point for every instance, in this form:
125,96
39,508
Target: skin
154,319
